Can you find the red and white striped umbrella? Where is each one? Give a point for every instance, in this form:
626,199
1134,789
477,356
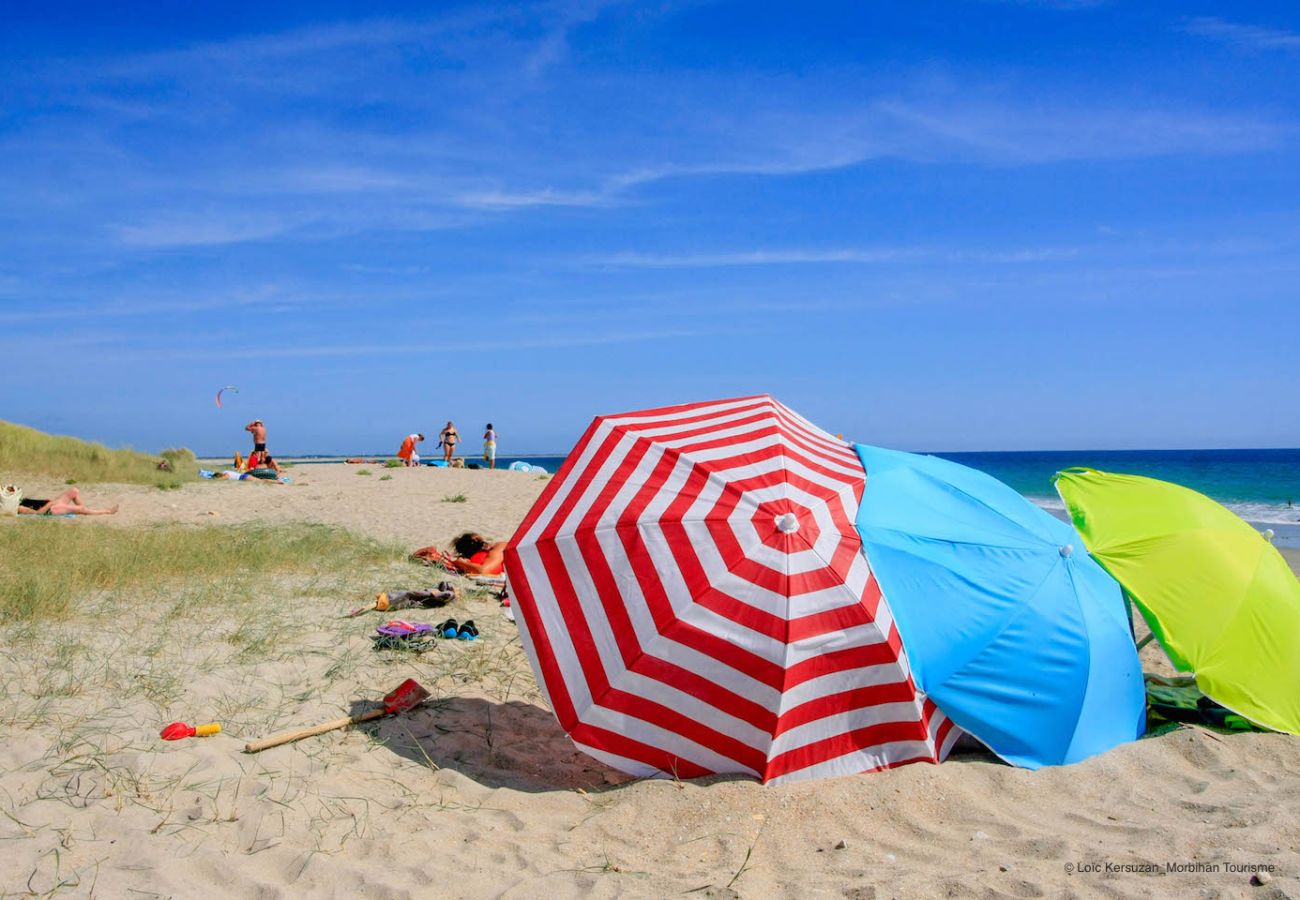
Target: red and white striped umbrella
693,596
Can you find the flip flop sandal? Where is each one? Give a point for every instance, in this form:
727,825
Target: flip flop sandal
467,631
449,629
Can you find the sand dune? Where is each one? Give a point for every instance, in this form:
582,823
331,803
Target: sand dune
479,793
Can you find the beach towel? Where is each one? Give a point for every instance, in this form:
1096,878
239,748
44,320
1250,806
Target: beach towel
1179,700
416,637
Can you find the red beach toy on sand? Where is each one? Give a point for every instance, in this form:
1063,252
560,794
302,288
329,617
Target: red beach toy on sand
179,730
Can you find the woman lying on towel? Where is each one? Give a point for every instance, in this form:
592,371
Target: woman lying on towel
67,502
475,555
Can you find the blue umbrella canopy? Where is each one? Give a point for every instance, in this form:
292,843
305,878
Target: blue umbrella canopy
1009,626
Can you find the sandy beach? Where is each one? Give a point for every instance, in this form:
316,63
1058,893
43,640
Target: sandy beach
479,794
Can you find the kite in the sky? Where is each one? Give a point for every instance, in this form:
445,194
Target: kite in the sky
229,387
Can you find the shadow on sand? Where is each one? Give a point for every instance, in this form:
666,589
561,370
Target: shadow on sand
520,746
513,745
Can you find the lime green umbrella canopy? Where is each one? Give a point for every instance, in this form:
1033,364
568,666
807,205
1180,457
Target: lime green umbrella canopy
1218,596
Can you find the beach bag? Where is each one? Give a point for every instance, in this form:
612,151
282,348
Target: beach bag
11,497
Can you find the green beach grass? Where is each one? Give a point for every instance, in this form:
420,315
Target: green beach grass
29,451
49,569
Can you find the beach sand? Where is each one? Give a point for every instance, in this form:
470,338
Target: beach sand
479,793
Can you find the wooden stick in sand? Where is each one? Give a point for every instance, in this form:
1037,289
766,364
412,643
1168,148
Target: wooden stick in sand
404,697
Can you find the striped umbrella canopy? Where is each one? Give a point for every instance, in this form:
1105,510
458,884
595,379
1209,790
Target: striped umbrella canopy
692,594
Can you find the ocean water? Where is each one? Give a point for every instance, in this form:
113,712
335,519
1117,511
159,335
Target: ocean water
1261,486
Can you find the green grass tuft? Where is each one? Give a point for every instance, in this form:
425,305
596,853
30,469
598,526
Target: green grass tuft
50,568
393,464
363,472
455,498
26,450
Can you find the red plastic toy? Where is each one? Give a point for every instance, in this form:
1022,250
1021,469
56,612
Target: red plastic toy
179,730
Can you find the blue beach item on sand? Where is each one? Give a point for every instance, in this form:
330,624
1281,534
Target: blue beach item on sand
1009,625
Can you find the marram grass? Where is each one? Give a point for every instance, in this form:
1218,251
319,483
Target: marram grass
25,450
51,565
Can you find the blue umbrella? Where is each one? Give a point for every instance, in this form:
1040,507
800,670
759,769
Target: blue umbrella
1009,626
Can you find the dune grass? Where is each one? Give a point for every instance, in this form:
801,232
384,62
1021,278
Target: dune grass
28,451
49,569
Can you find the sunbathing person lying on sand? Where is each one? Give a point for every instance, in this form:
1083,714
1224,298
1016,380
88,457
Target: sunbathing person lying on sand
67,502
235,475
475,555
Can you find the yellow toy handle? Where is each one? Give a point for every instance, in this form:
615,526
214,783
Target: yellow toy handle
205,730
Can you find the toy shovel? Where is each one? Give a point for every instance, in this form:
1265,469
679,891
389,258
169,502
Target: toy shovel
405,696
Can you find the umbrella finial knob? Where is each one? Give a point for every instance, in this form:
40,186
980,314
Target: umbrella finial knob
787,523
1067,550
1269,534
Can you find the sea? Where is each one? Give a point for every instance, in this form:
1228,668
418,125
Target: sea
1261,486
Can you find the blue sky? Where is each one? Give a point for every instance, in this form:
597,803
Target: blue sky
934,225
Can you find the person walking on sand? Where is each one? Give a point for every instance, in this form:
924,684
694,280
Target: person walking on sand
490,447
449,437
407,454
258,430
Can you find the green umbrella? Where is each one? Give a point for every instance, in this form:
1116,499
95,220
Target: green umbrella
1218,596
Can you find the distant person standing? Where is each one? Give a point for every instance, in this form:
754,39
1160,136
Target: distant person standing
258,430
407,454
490,447
449,438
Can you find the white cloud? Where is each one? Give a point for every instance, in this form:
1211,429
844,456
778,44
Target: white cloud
1248,36
812,256
199,231
505,343
506,200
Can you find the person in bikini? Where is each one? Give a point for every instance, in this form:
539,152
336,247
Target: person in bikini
476,555
450,437
67,502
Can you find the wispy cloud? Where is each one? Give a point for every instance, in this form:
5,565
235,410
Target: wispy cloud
854,256
1252,37
199,231
504,344
507,200
1002,133
413,125
171,304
